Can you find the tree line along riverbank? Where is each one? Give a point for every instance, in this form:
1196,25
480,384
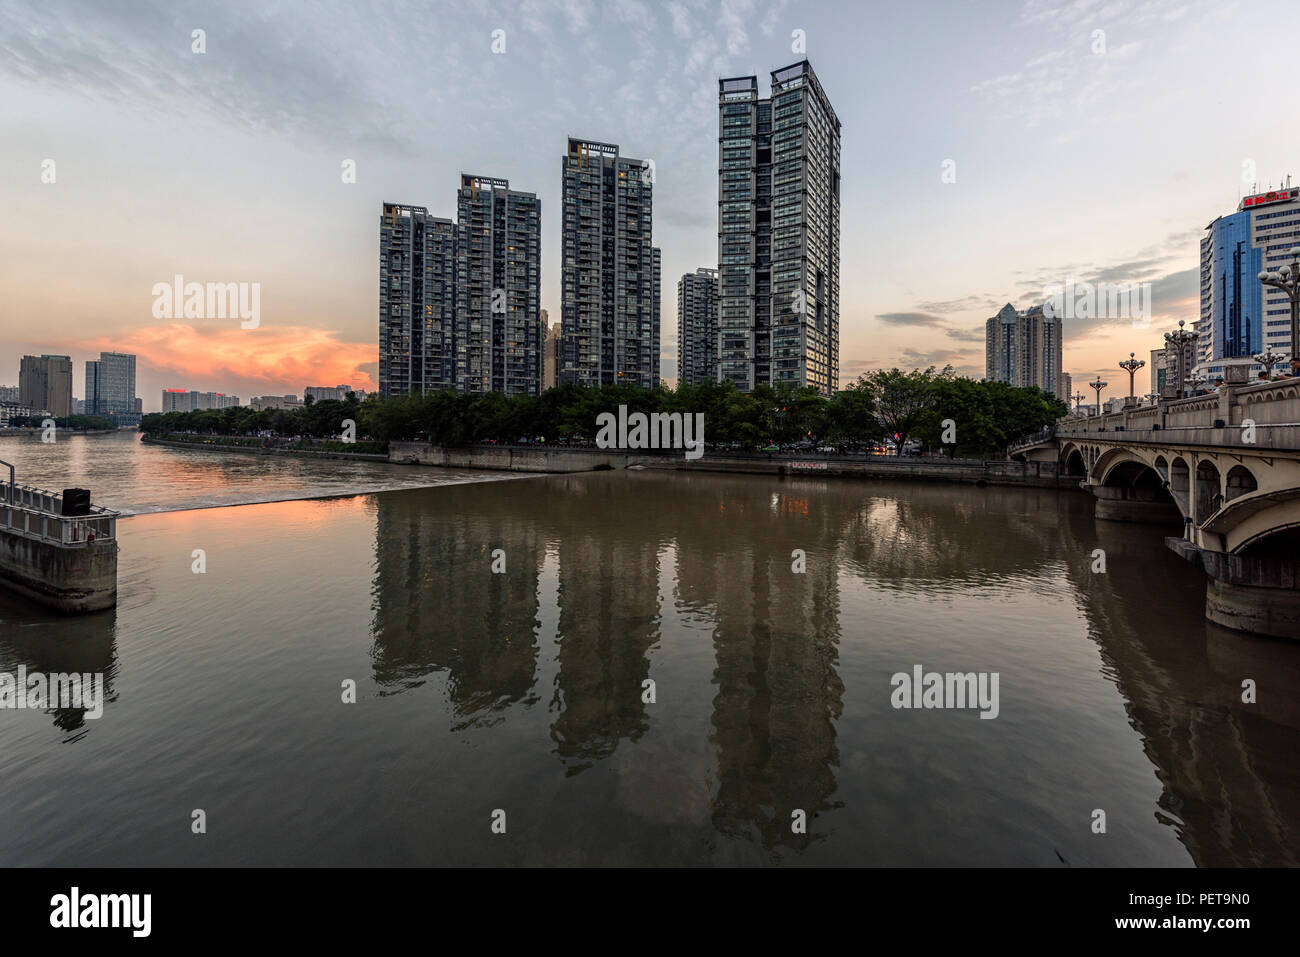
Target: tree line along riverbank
939,411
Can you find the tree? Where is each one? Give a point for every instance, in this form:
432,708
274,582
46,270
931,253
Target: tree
903,400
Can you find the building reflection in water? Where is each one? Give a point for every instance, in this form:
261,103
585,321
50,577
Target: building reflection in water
439,607
776,635
609,619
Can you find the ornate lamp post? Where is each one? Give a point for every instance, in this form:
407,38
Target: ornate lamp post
1131,366
1268,358
1078,398
1098,385
1288,280
1181,340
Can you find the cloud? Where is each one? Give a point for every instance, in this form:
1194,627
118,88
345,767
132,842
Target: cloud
965,304
967,335
918,359
910,319
273,361
263,70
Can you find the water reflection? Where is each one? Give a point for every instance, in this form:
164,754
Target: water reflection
439,607
1228,786
618,555
49,644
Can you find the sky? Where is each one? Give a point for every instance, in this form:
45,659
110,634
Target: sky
988,151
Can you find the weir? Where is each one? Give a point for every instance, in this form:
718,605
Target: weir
57,550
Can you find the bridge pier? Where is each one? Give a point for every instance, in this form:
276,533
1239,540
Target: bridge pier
1140,505
1248,593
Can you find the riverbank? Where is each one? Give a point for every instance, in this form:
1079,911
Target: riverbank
266,450
567,460
25,431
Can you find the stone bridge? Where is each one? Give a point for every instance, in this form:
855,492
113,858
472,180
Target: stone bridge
1224,465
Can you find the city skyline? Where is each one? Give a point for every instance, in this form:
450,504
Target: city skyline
929,258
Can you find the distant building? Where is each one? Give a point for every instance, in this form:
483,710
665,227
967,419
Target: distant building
1069,389
9,393
610,269
276,402
110,387
1024,349
552,353
1162,372
184,400
322,393
1240,317
697,327
11,410
45,384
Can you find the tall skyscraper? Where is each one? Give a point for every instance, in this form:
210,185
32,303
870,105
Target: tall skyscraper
110,387
45,384
779,232
1024,348
609,313
1240,317
697,327
498,288
459,302
417,281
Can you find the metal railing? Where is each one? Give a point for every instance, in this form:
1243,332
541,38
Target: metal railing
1046,433
37,513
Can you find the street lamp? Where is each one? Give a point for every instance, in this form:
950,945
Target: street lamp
1131,365
1181,340
1268,358
1098,385
1288,280
1078,398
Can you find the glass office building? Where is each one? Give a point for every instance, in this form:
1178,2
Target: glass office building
1240,317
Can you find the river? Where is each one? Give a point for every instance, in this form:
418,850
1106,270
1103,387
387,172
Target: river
645,677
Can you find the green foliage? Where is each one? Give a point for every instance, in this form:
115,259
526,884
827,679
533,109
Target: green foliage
880,404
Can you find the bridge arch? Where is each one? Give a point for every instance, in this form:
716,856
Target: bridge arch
1118,466
1239,481
1180,484
1209,490
1264,524
1072,462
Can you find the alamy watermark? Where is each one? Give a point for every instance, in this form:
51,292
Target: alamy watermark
956,690
1101,300
658,430
38,692
179,299
75,909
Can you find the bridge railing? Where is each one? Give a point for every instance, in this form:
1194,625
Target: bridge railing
1273,407
1045,434
37,513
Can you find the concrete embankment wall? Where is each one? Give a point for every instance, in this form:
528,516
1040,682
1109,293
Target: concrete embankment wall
558,460
303,453
68,579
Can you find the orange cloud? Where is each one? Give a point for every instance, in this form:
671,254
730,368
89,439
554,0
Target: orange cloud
267,360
